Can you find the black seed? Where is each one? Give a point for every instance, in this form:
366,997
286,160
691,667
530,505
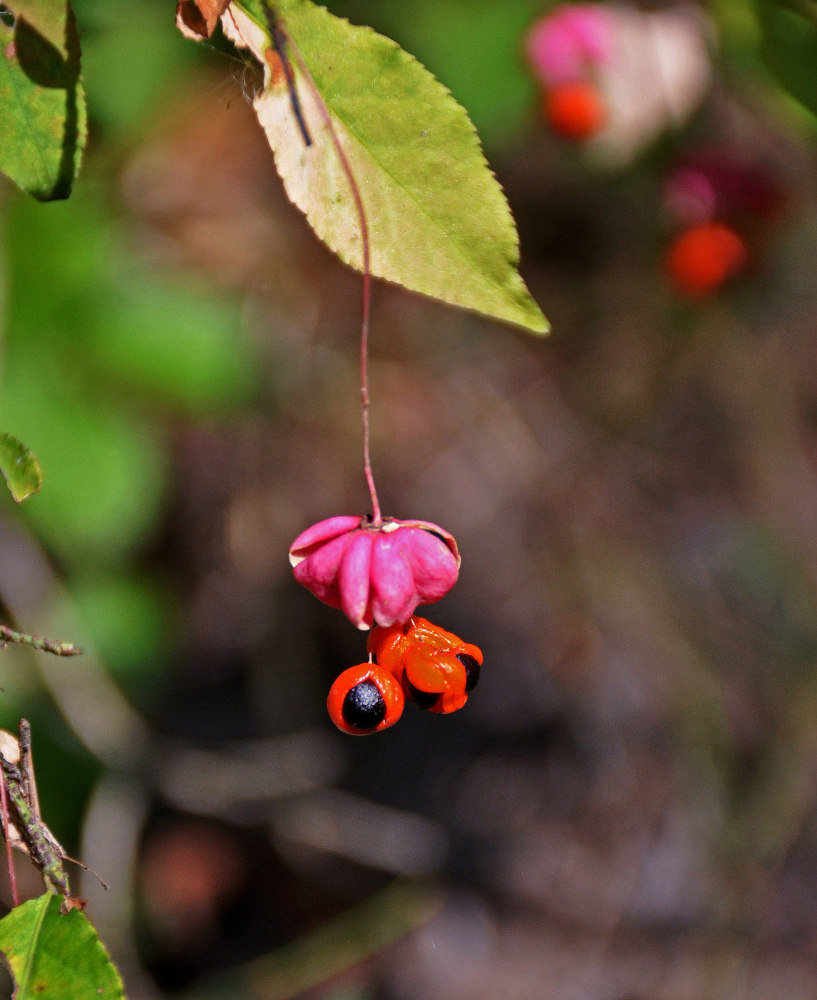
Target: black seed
364,707
471,670
422,699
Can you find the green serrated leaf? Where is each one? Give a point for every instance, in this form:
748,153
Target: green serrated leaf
19,467
439,222
483,69
42,105
56,956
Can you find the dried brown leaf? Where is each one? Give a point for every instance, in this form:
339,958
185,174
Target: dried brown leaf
198,18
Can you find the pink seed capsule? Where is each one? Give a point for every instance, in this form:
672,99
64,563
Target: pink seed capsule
375,573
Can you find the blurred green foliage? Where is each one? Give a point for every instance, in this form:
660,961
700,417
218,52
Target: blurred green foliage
87,364
131,61
788,46
102,349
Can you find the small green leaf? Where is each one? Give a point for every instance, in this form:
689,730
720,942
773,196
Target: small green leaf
20,468
438,220
42,105
56,956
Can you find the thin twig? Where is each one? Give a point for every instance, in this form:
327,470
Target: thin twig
4,805
45,851
55,646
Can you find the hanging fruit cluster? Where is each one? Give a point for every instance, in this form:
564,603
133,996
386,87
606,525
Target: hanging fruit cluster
377,571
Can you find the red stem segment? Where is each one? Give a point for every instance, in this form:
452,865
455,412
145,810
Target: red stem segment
377,517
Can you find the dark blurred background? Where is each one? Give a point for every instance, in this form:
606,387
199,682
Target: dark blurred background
625,810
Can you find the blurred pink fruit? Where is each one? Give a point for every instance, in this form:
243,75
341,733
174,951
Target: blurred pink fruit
569,41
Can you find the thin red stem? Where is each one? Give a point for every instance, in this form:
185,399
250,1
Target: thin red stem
4,806
377,517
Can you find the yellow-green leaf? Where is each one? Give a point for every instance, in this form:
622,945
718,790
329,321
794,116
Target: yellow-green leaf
439,222
47,17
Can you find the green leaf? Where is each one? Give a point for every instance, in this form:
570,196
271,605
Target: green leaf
20,468
483,69
42,105
438,220
47,17
56,956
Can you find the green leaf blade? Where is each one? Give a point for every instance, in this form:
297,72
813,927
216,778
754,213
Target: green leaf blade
19,467
47,17
56,956
439,222
42,104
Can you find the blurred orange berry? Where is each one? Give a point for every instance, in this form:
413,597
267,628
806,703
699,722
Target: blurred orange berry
703,257
575,110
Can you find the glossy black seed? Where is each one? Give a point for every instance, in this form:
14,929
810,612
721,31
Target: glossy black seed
364,707
422,699
472,668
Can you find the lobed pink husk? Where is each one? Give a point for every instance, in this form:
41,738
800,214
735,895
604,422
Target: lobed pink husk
375,573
